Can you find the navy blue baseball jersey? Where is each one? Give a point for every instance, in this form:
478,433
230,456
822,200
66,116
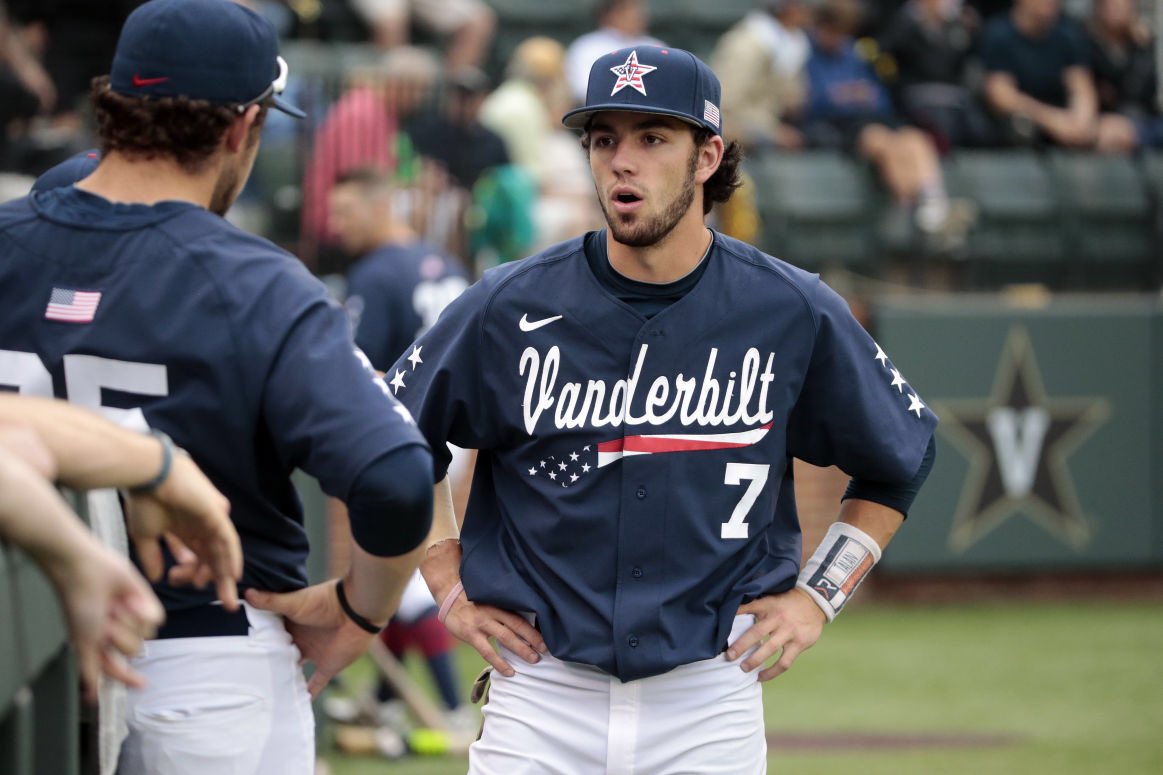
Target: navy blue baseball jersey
395,293
634,481
170,317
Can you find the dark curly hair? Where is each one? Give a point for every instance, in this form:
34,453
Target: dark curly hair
183,129
721,185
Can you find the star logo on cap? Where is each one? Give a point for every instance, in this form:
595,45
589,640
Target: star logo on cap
630,74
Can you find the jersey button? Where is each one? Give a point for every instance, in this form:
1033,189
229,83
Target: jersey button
636,573
633,641
641,493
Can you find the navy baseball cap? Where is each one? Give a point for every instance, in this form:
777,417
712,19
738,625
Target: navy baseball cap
213,50
652,79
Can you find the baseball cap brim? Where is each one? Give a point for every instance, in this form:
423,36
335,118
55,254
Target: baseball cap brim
578,118
286,107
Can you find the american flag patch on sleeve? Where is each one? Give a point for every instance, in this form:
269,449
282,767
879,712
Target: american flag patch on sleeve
70,306
710,112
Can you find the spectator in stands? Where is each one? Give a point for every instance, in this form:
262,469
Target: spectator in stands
367,127
468,24
107,606
457,150
932,43
621,23
81,37
26,90
1038,82
455,136
524,111
849,108
760,61
1122,57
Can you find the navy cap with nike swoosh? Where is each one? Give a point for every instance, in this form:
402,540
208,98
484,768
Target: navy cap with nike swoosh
213,50
652,79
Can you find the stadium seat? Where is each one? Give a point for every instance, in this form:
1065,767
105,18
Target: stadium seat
1152,167
1107,211
695,25
816,208
1018,234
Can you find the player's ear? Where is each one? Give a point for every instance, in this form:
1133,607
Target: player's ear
239,130
710,155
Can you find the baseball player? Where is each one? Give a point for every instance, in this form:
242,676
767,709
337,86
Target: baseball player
637,395
132,295
400,285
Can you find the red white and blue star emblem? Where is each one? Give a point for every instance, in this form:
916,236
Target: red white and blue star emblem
630,74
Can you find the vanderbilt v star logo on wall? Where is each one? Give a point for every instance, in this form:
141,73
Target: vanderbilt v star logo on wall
1018,442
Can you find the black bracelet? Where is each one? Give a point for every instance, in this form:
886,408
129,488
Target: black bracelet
360,622
167,463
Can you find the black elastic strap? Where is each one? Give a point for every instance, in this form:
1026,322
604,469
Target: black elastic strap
362,623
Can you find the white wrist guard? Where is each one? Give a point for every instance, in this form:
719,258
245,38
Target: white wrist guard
837,567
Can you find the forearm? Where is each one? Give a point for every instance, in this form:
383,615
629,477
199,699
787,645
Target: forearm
441,562
374,585
879,522
851,547
89,450
1082,103
1004,97
34,517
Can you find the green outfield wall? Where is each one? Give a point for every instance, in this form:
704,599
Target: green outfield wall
1050,447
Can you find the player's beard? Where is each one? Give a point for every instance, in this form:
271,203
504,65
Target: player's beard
636,231
226,190
233,176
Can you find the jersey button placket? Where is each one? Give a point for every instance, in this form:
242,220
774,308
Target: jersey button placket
632,641
636,572
641,493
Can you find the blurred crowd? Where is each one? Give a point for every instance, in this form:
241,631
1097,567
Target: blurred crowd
465,132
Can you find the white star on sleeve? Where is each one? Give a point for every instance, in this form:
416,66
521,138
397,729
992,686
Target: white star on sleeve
880,356
561,465
898,381
573,456
415,357
553,475
585,468
532,471
573,477
398,381
915,404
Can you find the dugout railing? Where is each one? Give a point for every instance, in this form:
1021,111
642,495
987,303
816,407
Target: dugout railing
40,709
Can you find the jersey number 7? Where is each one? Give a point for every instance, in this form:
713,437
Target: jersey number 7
756,474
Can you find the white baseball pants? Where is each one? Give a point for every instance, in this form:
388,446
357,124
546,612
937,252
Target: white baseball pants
227,705
562,718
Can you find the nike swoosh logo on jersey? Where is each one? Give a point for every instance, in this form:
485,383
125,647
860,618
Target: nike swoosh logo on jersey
527,325
139,82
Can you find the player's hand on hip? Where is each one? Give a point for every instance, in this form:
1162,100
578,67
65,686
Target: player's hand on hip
194,519
325,636
788,623
476,624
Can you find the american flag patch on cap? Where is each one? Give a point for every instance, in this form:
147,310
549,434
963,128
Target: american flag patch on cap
70,306
710,112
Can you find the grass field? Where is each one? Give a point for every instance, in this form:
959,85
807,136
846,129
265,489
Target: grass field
1005,689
